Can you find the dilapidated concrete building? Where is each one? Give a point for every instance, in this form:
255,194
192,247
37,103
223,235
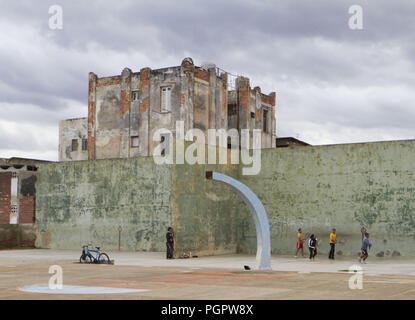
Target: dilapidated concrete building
124,111
18,178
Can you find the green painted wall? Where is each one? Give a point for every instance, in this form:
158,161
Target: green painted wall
87,202
343,186
316,188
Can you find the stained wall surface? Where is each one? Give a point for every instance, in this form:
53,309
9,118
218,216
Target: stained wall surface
316,188
69,130
346,186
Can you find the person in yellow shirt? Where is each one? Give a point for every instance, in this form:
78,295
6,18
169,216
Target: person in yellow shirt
300,241
333,242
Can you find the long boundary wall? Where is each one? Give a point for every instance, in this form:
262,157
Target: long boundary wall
346,186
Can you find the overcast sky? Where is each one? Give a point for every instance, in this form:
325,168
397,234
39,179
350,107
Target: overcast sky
333,84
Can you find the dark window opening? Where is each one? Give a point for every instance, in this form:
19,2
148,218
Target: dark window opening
265,121
253,115
165,141
232,109
84,144
74,144
134,95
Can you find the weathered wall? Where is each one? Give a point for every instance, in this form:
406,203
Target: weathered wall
86,202
68,130
5,196
316,188
17,190
17,236
343,186
206,213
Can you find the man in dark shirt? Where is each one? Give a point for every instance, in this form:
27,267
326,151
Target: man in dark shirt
312,246
170,242
365,245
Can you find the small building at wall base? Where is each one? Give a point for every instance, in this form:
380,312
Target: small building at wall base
18,178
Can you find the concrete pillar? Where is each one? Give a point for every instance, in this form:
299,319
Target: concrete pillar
92,82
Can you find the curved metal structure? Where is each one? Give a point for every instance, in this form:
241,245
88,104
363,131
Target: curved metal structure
263,255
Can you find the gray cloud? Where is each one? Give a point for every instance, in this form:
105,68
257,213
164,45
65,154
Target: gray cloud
333,84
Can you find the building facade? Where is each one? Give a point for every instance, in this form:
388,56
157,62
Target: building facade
125,111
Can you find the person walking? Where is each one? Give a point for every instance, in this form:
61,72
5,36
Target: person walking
300,241
170,243
365,245
333,242
312,246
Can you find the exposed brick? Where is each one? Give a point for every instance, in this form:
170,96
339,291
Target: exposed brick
5,196
27,209
125,101
144,86
92,79
202,74
108,81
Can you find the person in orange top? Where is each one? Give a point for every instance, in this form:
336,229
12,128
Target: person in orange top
333,242
300,241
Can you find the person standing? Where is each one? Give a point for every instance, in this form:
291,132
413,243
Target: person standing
170,243
333,242
300,241
312,246
365,245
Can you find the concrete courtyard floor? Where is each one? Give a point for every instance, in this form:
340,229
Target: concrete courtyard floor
215,277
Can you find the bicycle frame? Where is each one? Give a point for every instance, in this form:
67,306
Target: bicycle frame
90,252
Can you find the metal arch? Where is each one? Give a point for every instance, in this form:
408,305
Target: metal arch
263,255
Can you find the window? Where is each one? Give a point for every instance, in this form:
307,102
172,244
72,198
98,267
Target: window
232,109
265,121
13,209
165,99
84,144
165,141
253,115
134,96
74,144
135,142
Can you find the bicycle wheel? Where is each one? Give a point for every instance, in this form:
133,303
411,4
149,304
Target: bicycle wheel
103,258
86,260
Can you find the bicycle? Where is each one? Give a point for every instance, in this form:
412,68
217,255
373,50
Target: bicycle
93,256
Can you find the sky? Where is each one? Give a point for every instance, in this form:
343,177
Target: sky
334,84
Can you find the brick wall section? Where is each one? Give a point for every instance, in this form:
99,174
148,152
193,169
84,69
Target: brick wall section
244,93
5,195
224,96
27,210
92,82
17,236
125,90
144,86
125,101
108,81
201,74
